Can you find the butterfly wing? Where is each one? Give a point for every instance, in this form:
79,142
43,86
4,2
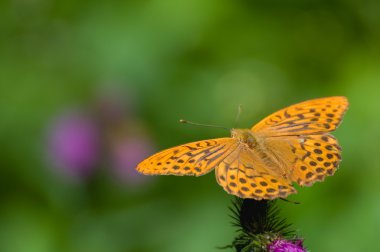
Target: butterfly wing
310,158
197,158
315,116
298,135
243,174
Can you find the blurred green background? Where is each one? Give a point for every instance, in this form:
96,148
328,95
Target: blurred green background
118,75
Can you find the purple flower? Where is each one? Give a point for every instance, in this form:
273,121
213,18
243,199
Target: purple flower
74,144
126,153
286,246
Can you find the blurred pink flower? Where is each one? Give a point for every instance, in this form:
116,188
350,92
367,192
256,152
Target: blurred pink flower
74,144
126,153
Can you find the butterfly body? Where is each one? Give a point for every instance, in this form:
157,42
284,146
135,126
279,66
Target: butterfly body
244,136
292,145
255,145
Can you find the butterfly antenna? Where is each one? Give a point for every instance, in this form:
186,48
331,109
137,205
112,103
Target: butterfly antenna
204,125
240,108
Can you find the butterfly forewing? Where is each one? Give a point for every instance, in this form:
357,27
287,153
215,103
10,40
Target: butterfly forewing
315,116
197,158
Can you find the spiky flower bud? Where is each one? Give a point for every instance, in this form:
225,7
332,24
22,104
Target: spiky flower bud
262,229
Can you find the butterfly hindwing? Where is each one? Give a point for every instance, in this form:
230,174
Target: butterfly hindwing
318,156
241,175
315,116
306,158
197,158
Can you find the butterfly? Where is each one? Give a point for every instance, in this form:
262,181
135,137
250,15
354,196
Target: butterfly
292,145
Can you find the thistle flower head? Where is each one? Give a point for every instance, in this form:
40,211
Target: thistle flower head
281,245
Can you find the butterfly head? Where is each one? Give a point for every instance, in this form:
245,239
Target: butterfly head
245,136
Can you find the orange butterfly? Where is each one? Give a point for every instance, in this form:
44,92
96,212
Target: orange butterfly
291,145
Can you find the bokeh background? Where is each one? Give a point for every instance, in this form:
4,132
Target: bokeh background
90,88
